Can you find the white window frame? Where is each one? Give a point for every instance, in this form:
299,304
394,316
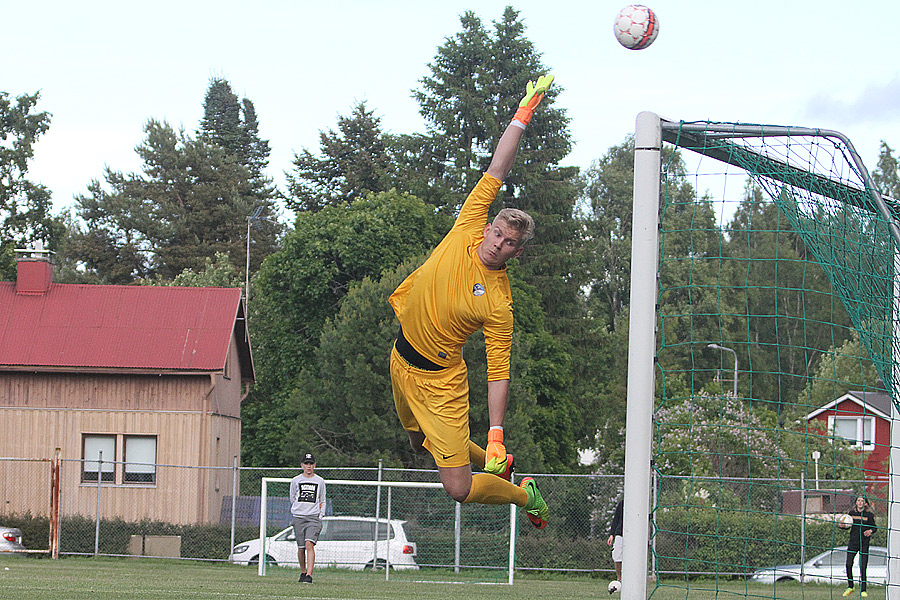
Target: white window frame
860,419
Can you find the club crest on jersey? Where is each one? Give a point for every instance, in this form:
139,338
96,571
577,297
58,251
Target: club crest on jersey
478,290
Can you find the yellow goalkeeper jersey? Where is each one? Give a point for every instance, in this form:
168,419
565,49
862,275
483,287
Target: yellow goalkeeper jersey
453,294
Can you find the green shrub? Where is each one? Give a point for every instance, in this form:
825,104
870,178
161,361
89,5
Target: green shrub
77,533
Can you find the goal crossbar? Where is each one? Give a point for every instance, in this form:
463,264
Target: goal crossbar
711,139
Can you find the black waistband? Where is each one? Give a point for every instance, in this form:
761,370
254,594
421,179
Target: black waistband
411,356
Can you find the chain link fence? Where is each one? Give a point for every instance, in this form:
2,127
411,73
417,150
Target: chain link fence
732,526
699,526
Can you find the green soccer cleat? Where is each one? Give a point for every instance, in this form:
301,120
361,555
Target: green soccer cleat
864,594
535,507
848,591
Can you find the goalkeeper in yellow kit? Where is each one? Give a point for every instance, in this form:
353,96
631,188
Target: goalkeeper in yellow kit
461,288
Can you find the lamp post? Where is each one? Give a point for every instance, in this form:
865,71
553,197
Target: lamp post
718,347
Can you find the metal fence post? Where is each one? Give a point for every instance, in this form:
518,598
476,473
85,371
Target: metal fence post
234,492
802,525
377,514
97,517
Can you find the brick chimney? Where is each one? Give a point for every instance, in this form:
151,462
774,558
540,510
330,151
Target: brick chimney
34,271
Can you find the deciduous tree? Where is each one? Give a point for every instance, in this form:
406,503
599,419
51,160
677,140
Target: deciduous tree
25,206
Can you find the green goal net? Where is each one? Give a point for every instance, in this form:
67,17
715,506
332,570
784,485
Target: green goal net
769,280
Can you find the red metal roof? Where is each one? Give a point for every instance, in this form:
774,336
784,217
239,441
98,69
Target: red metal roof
121,327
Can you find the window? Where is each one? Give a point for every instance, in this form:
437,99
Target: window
135,464
94,449
140,459
352,531
835,557
858,430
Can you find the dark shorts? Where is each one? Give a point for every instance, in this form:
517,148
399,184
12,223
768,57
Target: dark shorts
307,529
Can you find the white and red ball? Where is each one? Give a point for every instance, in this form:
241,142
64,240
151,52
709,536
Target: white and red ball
636,26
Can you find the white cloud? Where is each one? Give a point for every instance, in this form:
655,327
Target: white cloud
876,102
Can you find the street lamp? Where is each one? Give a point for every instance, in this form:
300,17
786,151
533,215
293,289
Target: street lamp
718,347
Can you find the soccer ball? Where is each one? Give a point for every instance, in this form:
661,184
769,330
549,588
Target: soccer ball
845,521
614,586
636,26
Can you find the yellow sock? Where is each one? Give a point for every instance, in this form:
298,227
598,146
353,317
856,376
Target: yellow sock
476,455
490,489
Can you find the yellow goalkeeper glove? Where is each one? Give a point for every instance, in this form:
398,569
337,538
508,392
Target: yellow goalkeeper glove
495,453
534,93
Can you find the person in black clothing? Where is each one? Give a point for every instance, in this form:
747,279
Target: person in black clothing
860,535
615,538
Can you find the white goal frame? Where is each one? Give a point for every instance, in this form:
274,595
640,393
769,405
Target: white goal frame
390,485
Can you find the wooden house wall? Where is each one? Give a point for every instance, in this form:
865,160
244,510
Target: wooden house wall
52,410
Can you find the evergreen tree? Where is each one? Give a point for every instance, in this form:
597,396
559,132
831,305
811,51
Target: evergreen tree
476,82
887,172
190,202
785,290
354,163
457,105
196,197
232,125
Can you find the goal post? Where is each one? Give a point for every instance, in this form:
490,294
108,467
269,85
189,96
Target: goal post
641,356
457,526
733,464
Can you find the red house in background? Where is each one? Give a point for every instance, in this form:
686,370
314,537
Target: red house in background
863,418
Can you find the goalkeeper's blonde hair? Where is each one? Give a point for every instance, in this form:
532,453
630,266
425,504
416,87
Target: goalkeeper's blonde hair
519,220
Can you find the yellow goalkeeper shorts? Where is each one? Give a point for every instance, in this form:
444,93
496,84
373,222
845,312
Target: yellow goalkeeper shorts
435,403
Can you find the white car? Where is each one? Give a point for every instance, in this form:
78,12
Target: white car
829,567
345,542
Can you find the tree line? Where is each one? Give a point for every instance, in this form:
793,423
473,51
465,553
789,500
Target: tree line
368,205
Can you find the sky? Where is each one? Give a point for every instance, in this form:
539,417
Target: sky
104,68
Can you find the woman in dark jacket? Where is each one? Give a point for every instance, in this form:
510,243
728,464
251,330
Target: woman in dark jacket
860,535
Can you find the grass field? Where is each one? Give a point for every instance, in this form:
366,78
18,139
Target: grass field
141,579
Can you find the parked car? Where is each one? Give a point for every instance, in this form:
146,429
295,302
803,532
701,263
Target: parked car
345,542
828,567
11,540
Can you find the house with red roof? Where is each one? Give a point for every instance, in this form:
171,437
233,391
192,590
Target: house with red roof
864,419
138,387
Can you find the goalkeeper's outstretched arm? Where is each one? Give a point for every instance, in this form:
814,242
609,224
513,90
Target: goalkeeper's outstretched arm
508,146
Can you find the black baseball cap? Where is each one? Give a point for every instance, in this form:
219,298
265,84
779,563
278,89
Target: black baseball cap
308,458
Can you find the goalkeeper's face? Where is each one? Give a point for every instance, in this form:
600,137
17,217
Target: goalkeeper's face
308,468
501,242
